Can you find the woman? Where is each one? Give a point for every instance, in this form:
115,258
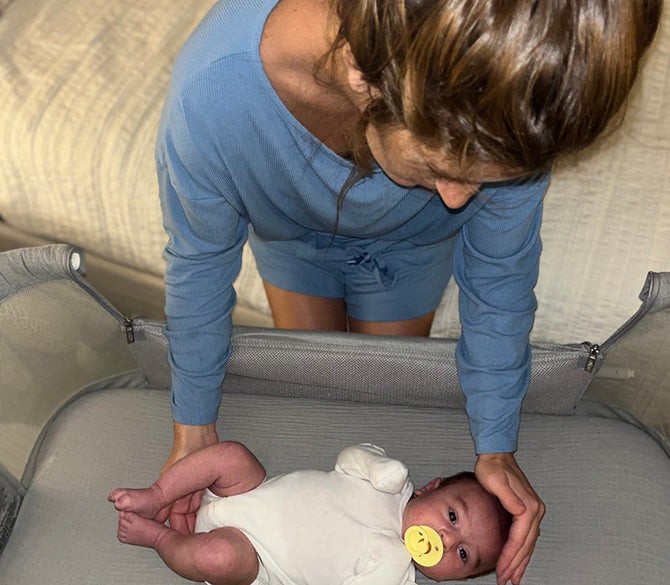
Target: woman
370,149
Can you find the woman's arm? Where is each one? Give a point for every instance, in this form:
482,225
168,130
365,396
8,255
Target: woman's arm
496,267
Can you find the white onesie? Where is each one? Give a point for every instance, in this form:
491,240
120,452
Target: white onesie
328,528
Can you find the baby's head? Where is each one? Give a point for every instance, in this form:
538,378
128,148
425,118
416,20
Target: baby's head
472,524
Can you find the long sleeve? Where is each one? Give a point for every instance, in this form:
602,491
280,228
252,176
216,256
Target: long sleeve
496,265
205,238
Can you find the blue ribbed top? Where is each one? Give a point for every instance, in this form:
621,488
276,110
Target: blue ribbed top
230,154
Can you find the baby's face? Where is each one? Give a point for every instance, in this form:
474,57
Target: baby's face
465,517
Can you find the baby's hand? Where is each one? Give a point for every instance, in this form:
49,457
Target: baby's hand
367,461
388,475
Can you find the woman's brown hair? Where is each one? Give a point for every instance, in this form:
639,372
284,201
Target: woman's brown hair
514,83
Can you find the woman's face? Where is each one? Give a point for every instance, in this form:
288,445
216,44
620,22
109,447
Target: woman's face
408,163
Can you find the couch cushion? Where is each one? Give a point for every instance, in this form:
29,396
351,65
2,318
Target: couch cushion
81,84
84,80
3,5
605,483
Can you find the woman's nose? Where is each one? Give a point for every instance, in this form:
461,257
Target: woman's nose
455,195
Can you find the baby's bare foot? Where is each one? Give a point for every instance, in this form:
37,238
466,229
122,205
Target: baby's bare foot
144,502
134,529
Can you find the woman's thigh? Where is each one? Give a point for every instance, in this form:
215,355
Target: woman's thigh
298,311
337,283
292,310
418,327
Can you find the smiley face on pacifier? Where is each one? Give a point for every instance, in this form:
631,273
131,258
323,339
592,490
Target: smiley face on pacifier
424,545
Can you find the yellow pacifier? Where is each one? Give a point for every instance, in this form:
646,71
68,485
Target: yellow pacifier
424,545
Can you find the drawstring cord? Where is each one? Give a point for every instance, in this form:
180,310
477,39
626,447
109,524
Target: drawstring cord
366,261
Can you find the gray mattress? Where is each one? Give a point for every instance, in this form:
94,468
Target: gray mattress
606,484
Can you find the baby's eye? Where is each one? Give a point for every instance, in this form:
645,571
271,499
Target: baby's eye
463,554
452,516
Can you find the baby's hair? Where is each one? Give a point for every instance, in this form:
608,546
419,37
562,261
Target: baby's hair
511,83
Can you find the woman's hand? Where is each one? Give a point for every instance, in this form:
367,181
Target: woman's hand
500,475
187,439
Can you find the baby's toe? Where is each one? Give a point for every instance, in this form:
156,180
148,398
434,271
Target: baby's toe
121,500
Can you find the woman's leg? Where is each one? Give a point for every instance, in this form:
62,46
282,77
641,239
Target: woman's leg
419,327
291,310
366,286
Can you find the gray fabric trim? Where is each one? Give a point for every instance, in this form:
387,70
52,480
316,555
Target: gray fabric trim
30,266
10,501
656,291
366,368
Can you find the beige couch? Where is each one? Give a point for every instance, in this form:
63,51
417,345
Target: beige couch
81,85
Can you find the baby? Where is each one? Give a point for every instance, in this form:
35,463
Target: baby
361,523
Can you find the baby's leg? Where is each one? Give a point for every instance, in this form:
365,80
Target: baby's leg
145,502
234,469
224,556
134,529
227,468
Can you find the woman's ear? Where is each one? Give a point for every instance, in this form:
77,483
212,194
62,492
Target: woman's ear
354,74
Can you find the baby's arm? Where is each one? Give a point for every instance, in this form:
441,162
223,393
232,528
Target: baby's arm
226,468
369,462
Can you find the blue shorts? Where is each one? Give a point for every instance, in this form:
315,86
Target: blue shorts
379,280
